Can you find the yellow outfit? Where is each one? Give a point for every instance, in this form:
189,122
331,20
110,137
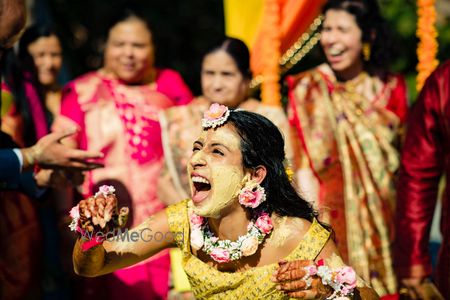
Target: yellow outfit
209,283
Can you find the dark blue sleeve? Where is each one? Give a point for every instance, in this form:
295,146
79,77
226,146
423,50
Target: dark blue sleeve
10,175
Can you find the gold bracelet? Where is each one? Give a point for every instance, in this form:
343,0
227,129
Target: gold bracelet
28,157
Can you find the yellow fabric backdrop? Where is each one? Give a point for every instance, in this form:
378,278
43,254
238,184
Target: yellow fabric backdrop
242,19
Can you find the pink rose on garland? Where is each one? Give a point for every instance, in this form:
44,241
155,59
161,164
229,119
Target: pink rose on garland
264,223
220,255
249,246
347,277
196,220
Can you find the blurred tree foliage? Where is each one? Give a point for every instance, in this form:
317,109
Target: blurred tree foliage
402,17
184,29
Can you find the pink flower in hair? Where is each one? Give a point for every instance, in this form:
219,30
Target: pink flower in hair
215,116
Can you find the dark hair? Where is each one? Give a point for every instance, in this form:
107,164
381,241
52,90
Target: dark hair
238,50
31,34
128,14
374,29
19,69
262,144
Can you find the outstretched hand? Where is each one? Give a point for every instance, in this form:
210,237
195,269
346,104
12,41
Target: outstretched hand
292,280
48,152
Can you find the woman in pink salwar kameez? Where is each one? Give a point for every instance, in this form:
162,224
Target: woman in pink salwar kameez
116,111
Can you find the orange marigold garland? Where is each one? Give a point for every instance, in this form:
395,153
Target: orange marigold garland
427,34
271,48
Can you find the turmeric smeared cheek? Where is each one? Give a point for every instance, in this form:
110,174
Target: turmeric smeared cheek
227,182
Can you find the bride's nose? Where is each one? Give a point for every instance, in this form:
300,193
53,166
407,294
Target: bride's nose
197,159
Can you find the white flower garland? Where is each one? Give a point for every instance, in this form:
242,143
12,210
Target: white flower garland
225,250
341,280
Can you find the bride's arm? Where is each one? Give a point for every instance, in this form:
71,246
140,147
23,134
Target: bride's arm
291,277
125,249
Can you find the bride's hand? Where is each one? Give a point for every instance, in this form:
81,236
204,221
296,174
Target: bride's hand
292,279
101,214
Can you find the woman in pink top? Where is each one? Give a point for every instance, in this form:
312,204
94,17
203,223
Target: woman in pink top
116,111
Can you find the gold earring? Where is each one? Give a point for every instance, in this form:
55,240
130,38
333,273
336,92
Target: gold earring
366,51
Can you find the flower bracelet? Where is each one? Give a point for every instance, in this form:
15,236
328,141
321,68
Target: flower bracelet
341,280
98,215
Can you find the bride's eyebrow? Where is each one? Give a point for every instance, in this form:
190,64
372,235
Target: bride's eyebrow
222,145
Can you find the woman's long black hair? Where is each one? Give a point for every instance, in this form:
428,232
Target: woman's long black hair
262,144
14,70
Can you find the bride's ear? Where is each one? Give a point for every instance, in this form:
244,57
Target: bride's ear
258,174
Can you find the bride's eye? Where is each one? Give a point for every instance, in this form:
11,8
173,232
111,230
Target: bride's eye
219,152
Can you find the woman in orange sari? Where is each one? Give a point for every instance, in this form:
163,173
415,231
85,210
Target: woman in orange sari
116,111
346,117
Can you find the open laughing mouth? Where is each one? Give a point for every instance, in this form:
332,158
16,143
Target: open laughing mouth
335,51
200,188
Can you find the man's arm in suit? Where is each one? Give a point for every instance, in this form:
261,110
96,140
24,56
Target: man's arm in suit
10,169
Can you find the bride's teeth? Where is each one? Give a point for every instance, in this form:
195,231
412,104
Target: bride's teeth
199,179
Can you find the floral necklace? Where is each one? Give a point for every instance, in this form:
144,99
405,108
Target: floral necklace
225,250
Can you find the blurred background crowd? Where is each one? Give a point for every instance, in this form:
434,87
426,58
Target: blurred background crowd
134,78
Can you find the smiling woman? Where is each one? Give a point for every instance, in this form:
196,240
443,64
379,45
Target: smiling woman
231,246
347,115
31,79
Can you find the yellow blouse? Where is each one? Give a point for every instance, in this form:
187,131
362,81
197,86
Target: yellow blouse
209,283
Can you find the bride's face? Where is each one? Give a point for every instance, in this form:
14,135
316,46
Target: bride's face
216,172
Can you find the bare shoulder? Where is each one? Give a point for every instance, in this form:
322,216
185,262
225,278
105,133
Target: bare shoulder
289,231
